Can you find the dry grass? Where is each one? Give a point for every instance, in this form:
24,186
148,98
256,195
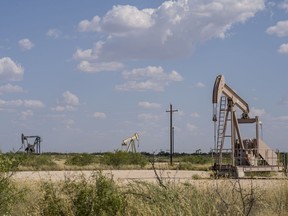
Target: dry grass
196,197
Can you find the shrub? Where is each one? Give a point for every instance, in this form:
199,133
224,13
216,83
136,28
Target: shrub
97,196
38,162
197,159
8,192
80,159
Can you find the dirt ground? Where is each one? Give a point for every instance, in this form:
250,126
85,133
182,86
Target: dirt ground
197,178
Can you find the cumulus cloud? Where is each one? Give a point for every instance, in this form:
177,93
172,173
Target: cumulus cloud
146,104
8,88
99,115
283,49
19,103
62,108
9,70
280,29
149,78
25,44
70,98
68,102
90,26
54,33
83,54
169,31
88,67
125,18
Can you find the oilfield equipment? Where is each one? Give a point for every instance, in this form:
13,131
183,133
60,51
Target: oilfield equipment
31,148
128,145
243,154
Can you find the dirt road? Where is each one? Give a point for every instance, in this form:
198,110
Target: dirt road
197,178
117,175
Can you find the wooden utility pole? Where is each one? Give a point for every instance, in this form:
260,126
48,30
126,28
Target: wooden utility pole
171,133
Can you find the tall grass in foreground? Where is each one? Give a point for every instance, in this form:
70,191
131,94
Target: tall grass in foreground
100,195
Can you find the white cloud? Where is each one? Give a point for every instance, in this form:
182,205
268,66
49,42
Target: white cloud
26,114
90,26
68,122
25,103
33,103
169,31
68,102
148,117
280,29
148,105
257,112
86,66
89,54
54,33
62,108
200,85
191,127
70,98
25,44
283,49
284,5
175,76
140,86
125,18
149,78
99,115
8,88
9,70
83,54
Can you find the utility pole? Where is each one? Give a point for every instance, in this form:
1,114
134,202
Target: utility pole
171,134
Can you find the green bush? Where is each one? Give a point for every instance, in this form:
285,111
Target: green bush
97,196
80,159
38,162
120,158
197,159
8,192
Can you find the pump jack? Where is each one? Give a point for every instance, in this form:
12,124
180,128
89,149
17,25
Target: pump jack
129,143
246,154
31,148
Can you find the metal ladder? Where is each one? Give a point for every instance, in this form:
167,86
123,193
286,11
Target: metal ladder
221,123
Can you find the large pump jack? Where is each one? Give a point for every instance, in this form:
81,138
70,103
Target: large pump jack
247,154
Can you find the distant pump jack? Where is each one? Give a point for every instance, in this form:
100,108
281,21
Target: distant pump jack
129,143
31,148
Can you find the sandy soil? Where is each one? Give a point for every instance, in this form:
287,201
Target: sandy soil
117,175
197,178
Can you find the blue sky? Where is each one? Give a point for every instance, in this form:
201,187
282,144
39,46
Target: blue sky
84,75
